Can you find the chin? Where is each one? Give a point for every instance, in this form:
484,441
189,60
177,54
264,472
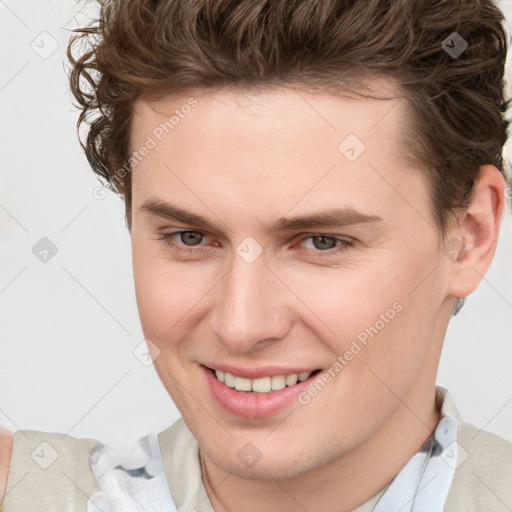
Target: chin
246,459
265,468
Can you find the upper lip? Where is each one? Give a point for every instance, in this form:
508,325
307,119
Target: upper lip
256,373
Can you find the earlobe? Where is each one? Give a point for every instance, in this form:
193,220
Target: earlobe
473,241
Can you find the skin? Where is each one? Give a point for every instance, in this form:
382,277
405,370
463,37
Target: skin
245,160
6,444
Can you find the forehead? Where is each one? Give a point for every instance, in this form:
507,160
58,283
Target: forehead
273,147
262,115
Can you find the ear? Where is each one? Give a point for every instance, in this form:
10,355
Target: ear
472,241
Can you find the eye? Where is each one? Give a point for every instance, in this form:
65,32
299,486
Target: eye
321,245
326,244
187,239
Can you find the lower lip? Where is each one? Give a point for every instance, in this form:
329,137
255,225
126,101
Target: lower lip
252,405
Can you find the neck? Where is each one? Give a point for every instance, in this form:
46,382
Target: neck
340,485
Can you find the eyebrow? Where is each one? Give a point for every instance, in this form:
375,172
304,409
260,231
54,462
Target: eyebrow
331,217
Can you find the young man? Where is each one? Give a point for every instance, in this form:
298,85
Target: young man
312,187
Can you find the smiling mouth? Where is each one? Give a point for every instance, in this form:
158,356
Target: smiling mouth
262,385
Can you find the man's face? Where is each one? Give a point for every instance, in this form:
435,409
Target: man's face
258,296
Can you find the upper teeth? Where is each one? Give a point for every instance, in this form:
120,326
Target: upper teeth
263,384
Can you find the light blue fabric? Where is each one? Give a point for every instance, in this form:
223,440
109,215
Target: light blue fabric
423,484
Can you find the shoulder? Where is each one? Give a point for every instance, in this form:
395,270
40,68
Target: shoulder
46,467
483,473
489,448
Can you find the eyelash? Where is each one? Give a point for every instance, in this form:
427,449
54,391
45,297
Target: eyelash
169,240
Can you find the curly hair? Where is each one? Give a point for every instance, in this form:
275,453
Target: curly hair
155,48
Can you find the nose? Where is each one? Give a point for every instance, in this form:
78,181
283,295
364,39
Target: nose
251,307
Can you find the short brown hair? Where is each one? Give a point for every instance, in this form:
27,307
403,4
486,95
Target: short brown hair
155,48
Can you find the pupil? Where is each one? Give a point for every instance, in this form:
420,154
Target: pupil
194,237
322,244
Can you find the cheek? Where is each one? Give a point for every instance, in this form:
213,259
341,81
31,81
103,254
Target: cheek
165,300
377,315
169,295
348,300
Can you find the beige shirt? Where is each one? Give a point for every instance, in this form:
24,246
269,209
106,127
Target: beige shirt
50,472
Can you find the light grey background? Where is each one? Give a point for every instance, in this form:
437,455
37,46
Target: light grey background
68,327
